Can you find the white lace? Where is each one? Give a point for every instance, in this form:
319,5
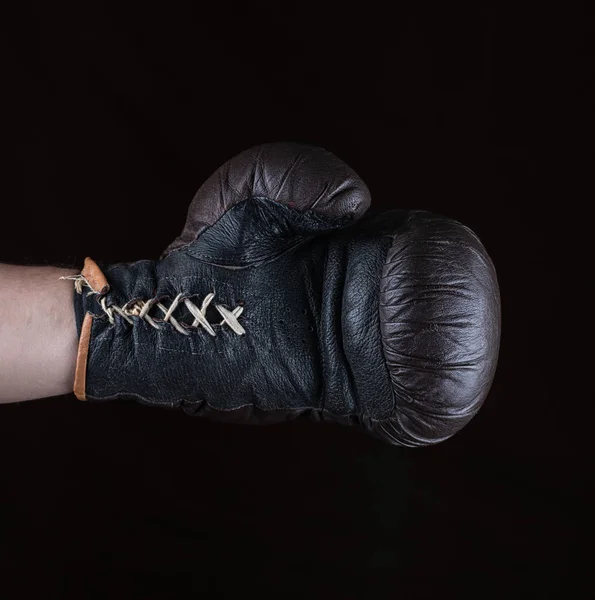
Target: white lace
141,308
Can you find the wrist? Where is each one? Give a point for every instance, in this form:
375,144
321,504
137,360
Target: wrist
38,338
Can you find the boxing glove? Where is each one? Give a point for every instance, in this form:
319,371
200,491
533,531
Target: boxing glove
279,300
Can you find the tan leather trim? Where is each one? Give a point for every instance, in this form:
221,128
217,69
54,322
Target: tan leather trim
80,376
93,274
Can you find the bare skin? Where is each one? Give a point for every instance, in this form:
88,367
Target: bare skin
38,338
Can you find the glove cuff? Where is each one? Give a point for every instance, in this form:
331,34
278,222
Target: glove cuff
103,293
91,282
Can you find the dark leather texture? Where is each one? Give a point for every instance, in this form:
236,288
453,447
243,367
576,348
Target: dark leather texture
299,175
440,326
391,323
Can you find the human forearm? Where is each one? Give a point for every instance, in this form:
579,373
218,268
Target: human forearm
38,339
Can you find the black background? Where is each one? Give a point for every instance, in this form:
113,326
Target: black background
114,118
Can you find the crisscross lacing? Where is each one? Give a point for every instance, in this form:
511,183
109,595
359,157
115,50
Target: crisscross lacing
141,308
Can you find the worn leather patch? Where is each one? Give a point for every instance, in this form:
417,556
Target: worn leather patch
80,377
94,275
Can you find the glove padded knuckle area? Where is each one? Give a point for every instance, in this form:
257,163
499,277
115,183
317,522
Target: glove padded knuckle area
440,328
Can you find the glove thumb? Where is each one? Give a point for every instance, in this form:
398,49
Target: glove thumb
298,177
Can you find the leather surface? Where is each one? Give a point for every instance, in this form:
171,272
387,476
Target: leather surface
440,324
298,175
391,324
